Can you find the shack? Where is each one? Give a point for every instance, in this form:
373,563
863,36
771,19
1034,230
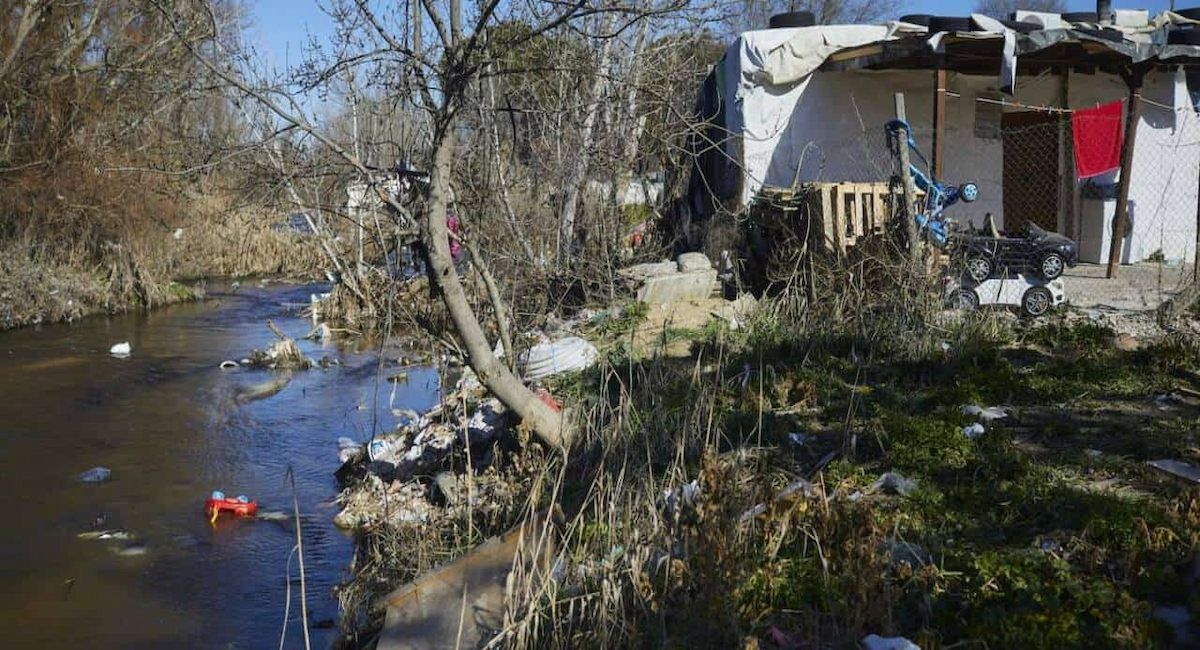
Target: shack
988,101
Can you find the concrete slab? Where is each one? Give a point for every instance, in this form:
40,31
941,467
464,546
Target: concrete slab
1137,287
461,604
694,285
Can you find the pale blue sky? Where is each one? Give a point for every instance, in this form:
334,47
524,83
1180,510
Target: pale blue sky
281,26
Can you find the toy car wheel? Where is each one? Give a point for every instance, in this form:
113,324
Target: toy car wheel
1036,302
966,300
979,268
1052,266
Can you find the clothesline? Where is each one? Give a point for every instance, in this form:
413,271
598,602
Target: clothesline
1055,109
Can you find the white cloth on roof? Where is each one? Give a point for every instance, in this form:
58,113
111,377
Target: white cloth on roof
803,53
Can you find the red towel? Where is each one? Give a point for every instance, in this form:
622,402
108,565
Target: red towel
1098,139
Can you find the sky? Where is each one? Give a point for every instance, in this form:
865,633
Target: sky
281,26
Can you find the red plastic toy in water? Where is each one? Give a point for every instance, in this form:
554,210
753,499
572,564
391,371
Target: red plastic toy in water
238,507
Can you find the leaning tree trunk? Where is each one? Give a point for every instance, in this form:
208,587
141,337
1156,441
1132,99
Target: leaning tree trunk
549,425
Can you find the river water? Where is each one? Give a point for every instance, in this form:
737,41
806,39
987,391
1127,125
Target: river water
166,422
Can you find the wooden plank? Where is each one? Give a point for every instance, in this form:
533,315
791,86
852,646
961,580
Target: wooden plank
839,218
1133,113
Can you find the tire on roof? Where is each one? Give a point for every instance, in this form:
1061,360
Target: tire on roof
792,19
950,24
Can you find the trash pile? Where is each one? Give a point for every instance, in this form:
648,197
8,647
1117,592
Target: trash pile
412,475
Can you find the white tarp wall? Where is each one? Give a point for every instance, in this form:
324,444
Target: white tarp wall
829,127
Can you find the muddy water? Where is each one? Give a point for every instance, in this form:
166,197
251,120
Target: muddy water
167,423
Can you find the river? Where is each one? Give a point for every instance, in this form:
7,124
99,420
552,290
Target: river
166,422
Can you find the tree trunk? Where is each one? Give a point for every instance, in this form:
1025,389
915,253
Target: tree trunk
549,425
579,163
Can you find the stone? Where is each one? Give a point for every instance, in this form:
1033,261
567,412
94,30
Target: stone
640,272
450,487
694,285
693,262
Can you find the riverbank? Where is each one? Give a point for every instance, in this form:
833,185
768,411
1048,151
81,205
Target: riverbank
143,269
789,479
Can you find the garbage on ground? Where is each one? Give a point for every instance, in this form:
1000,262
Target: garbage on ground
551,358
973,431
121,350
800,439
684,496
899,552
488,422
95,475
548,399
986,415
1164,401
348,450
375,502
876,642
1177,468
218,503
789,493
895,483
110,534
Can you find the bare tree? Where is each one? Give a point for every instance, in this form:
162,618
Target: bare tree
1003,9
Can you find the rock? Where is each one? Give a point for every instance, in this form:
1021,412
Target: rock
688,262
95,475
1177,468
1126,343
640,272
694,285
450,487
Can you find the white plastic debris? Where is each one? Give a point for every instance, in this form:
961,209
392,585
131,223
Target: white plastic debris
684,496
228,364
895,483
1164,401
121,350
95,475
348,449
800,439
974,431
876,642
563,355
985,415
178,234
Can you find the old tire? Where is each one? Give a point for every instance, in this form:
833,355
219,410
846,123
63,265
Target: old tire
979,268
792,19
965,300
916,19
1036,302
1051,266
950,24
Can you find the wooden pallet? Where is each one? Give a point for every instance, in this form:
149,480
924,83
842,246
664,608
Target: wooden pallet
847,211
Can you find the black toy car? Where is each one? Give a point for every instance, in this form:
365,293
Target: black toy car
1030,250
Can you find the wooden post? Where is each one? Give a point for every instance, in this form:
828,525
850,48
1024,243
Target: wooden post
939,122
910,192
1133,112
